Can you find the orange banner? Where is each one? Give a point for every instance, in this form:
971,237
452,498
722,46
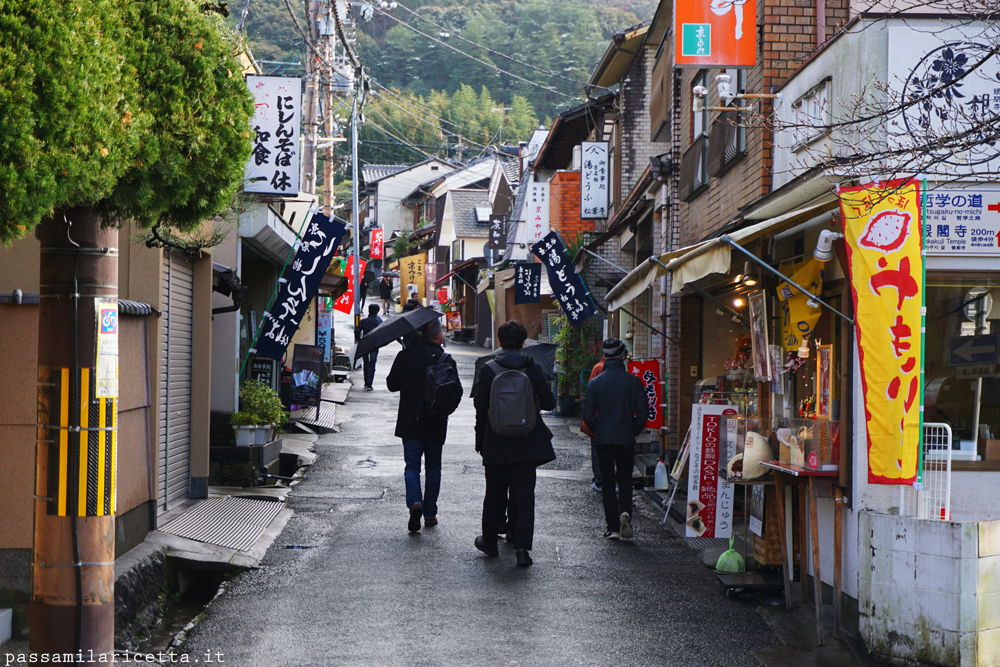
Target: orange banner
715,33
882,227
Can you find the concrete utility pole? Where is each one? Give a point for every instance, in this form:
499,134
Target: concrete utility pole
313,69
502,111
73,571
355,118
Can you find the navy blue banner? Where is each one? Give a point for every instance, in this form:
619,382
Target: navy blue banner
567,285
527,283
317,247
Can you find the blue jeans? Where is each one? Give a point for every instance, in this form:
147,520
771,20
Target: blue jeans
413,449
369,362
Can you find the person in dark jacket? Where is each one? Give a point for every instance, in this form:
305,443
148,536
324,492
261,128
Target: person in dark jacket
422,436
366,280
385,293
413,337
615,409
510,463
364,328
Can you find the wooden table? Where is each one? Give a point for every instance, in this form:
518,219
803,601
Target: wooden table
807,482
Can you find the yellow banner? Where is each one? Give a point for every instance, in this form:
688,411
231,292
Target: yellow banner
882,227
411,277
798,318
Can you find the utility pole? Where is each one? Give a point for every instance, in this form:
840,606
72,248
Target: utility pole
313,70
73,568
502,111
355,114
328,198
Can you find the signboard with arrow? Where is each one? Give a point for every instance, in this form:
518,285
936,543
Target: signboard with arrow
973,350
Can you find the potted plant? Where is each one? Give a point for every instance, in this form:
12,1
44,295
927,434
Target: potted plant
575,356
261,413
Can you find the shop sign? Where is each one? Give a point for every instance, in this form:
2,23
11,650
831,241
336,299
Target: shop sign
527,283
973,372
962,222
498,233
567,285
307,375
594,180
719,33
649,372
411,277
442,295
375,246
884,248
262,370
710,499
106,368
345,302
324,326
273,167
537,217
319,242
798,318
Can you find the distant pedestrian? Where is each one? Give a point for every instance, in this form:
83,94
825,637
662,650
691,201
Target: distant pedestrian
412,338
422,436
615,409
512,439
366,280
364,328
385,293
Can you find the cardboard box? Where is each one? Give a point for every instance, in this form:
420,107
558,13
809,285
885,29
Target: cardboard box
989,450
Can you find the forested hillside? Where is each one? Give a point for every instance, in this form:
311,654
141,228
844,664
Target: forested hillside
428,95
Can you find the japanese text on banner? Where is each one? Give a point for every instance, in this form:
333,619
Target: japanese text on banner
527,283
273,167
567,286
376,244
882,228
649,372
345,302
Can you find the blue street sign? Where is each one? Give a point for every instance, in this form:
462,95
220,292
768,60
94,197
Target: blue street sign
973,350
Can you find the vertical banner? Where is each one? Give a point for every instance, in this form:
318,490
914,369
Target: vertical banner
594,180
442,295
757,304
798,318
375,246
411,277
345,302
537,215
710,500
649,372
319,242
720,33
882,227
273,167
498,233
106,366
527,283
567,285
324,326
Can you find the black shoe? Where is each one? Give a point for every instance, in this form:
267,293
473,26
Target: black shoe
415,513
486,548
523,559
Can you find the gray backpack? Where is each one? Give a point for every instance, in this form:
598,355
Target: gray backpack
513,410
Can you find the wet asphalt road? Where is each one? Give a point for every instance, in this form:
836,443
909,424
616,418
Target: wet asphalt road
367,592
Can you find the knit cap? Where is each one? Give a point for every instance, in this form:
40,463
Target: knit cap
613,348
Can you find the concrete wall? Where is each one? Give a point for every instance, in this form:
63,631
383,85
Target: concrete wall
225,334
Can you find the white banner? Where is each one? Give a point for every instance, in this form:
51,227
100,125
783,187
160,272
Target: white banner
710,500
273,167
594,180
536,212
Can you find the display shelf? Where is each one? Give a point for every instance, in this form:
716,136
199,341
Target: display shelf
798,471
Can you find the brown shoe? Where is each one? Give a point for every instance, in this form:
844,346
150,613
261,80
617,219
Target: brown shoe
433,521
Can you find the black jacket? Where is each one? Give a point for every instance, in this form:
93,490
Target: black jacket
385,290
615,406
365,326
535,447
409,370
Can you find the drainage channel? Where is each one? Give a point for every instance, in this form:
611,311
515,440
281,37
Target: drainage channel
191,592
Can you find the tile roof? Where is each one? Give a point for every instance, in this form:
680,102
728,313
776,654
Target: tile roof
463,208
373,172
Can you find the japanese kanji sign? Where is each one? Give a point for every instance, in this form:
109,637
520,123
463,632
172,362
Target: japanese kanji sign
882,228
375,246
319,243
536,216
649,372
527,283
345,302
273,167
594,180
715,33
567,285
411,272
710,499
962,222
498,232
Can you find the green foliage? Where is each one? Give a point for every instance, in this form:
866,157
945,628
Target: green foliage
578,351
402,247
260,406
137,109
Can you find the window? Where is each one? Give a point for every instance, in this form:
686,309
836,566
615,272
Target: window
456,251
694,162
811,115
959,392
728,139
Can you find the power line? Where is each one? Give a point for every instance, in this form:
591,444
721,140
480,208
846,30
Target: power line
423,106
402,141
440,129
478,60
343,40
498,53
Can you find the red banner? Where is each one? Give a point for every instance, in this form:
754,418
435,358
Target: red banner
345,302
375,247
649,372
442,295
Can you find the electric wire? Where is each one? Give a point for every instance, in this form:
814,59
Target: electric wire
309,43
478,60
439,128
423,106
401,140
343,40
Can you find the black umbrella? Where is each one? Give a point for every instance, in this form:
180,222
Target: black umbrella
394,329
544,354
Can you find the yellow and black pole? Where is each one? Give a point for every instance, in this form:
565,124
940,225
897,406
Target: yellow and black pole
72,597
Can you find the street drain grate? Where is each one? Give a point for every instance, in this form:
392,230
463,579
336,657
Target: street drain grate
235,523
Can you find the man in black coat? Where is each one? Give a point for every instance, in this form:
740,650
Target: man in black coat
366,280
422,436
511,462
385,293
615,409
364,328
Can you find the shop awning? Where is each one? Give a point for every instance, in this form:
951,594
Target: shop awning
706,257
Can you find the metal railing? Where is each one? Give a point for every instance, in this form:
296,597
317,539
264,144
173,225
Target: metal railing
932,499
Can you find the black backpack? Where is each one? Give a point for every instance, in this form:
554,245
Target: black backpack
442,389
513,408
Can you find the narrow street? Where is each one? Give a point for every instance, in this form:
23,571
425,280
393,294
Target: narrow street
366,592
